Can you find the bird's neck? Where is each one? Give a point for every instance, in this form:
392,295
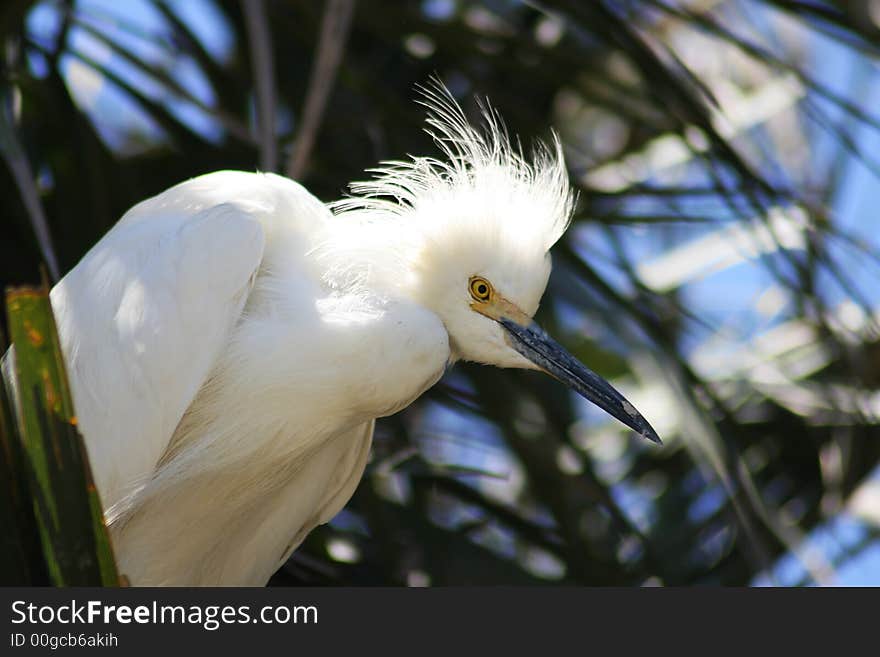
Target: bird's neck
375,257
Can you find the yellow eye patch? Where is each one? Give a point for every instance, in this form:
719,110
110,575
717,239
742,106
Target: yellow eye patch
480,288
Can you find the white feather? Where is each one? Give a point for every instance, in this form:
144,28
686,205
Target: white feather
230,341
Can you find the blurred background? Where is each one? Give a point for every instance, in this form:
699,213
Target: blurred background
722,267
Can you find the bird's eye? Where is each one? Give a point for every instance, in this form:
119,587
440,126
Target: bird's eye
481,289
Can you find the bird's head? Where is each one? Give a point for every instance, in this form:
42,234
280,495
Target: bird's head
479,225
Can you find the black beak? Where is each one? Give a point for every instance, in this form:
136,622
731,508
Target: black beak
532,342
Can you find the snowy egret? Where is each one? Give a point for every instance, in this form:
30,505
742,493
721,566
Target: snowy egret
231,341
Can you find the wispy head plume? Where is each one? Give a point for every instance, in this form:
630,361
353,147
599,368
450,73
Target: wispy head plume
481,172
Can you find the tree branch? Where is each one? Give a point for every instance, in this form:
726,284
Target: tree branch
335,27
19,166
263,68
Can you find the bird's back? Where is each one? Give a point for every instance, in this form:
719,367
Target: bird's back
143,316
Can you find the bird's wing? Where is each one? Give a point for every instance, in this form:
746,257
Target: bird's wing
345,457
142,319
348,472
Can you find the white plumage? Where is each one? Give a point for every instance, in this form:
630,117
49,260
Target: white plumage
231,341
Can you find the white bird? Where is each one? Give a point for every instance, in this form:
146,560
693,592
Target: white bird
231,341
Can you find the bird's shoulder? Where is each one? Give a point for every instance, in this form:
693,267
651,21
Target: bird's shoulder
397,349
